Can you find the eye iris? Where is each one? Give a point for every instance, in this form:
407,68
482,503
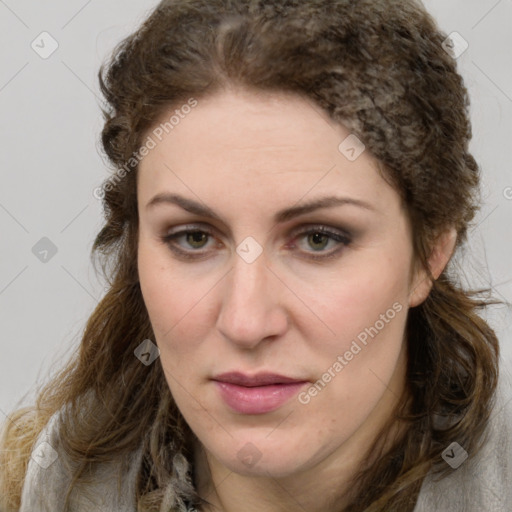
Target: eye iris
196,237
317,238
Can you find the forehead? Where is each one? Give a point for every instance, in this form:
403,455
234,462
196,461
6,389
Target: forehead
267,144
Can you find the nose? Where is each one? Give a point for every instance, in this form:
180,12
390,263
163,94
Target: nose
251,310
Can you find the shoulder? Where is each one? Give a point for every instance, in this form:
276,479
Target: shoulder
49,475
485,481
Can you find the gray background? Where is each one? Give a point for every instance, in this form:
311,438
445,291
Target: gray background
50,164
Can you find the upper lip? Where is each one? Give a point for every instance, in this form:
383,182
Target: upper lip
260,379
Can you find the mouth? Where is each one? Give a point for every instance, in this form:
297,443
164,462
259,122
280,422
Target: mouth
257,394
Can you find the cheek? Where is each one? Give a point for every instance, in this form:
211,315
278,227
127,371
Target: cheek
358,300
367,310
177,304
156,290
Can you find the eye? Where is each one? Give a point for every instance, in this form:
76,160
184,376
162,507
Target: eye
194,237
318,238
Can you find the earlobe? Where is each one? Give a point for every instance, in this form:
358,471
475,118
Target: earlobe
439,257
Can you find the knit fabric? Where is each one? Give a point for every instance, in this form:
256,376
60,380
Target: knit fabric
481,483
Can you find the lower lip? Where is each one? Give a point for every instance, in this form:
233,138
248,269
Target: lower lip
258,399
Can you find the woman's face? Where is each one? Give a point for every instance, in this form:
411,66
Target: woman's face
255,280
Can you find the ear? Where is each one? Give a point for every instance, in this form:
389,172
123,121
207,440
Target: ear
439,257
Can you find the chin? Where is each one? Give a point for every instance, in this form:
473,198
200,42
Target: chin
265,467
263,458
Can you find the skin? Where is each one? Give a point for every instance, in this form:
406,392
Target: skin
247,155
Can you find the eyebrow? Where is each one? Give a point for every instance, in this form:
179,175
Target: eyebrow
281,216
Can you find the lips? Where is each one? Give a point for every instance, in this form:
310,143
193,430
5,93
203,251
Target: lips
261,379
257,394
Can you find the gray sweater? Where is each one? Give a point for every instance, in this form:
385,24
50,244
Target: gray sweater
476,484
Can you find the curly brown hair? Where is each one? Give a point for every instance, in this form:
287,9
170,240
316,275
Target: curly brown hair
379,68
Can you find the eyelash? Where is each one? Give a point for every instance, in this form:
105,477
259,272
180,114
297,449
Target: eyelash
342,237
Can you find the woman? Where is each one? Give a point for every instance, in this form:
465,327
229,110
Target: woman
282,330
